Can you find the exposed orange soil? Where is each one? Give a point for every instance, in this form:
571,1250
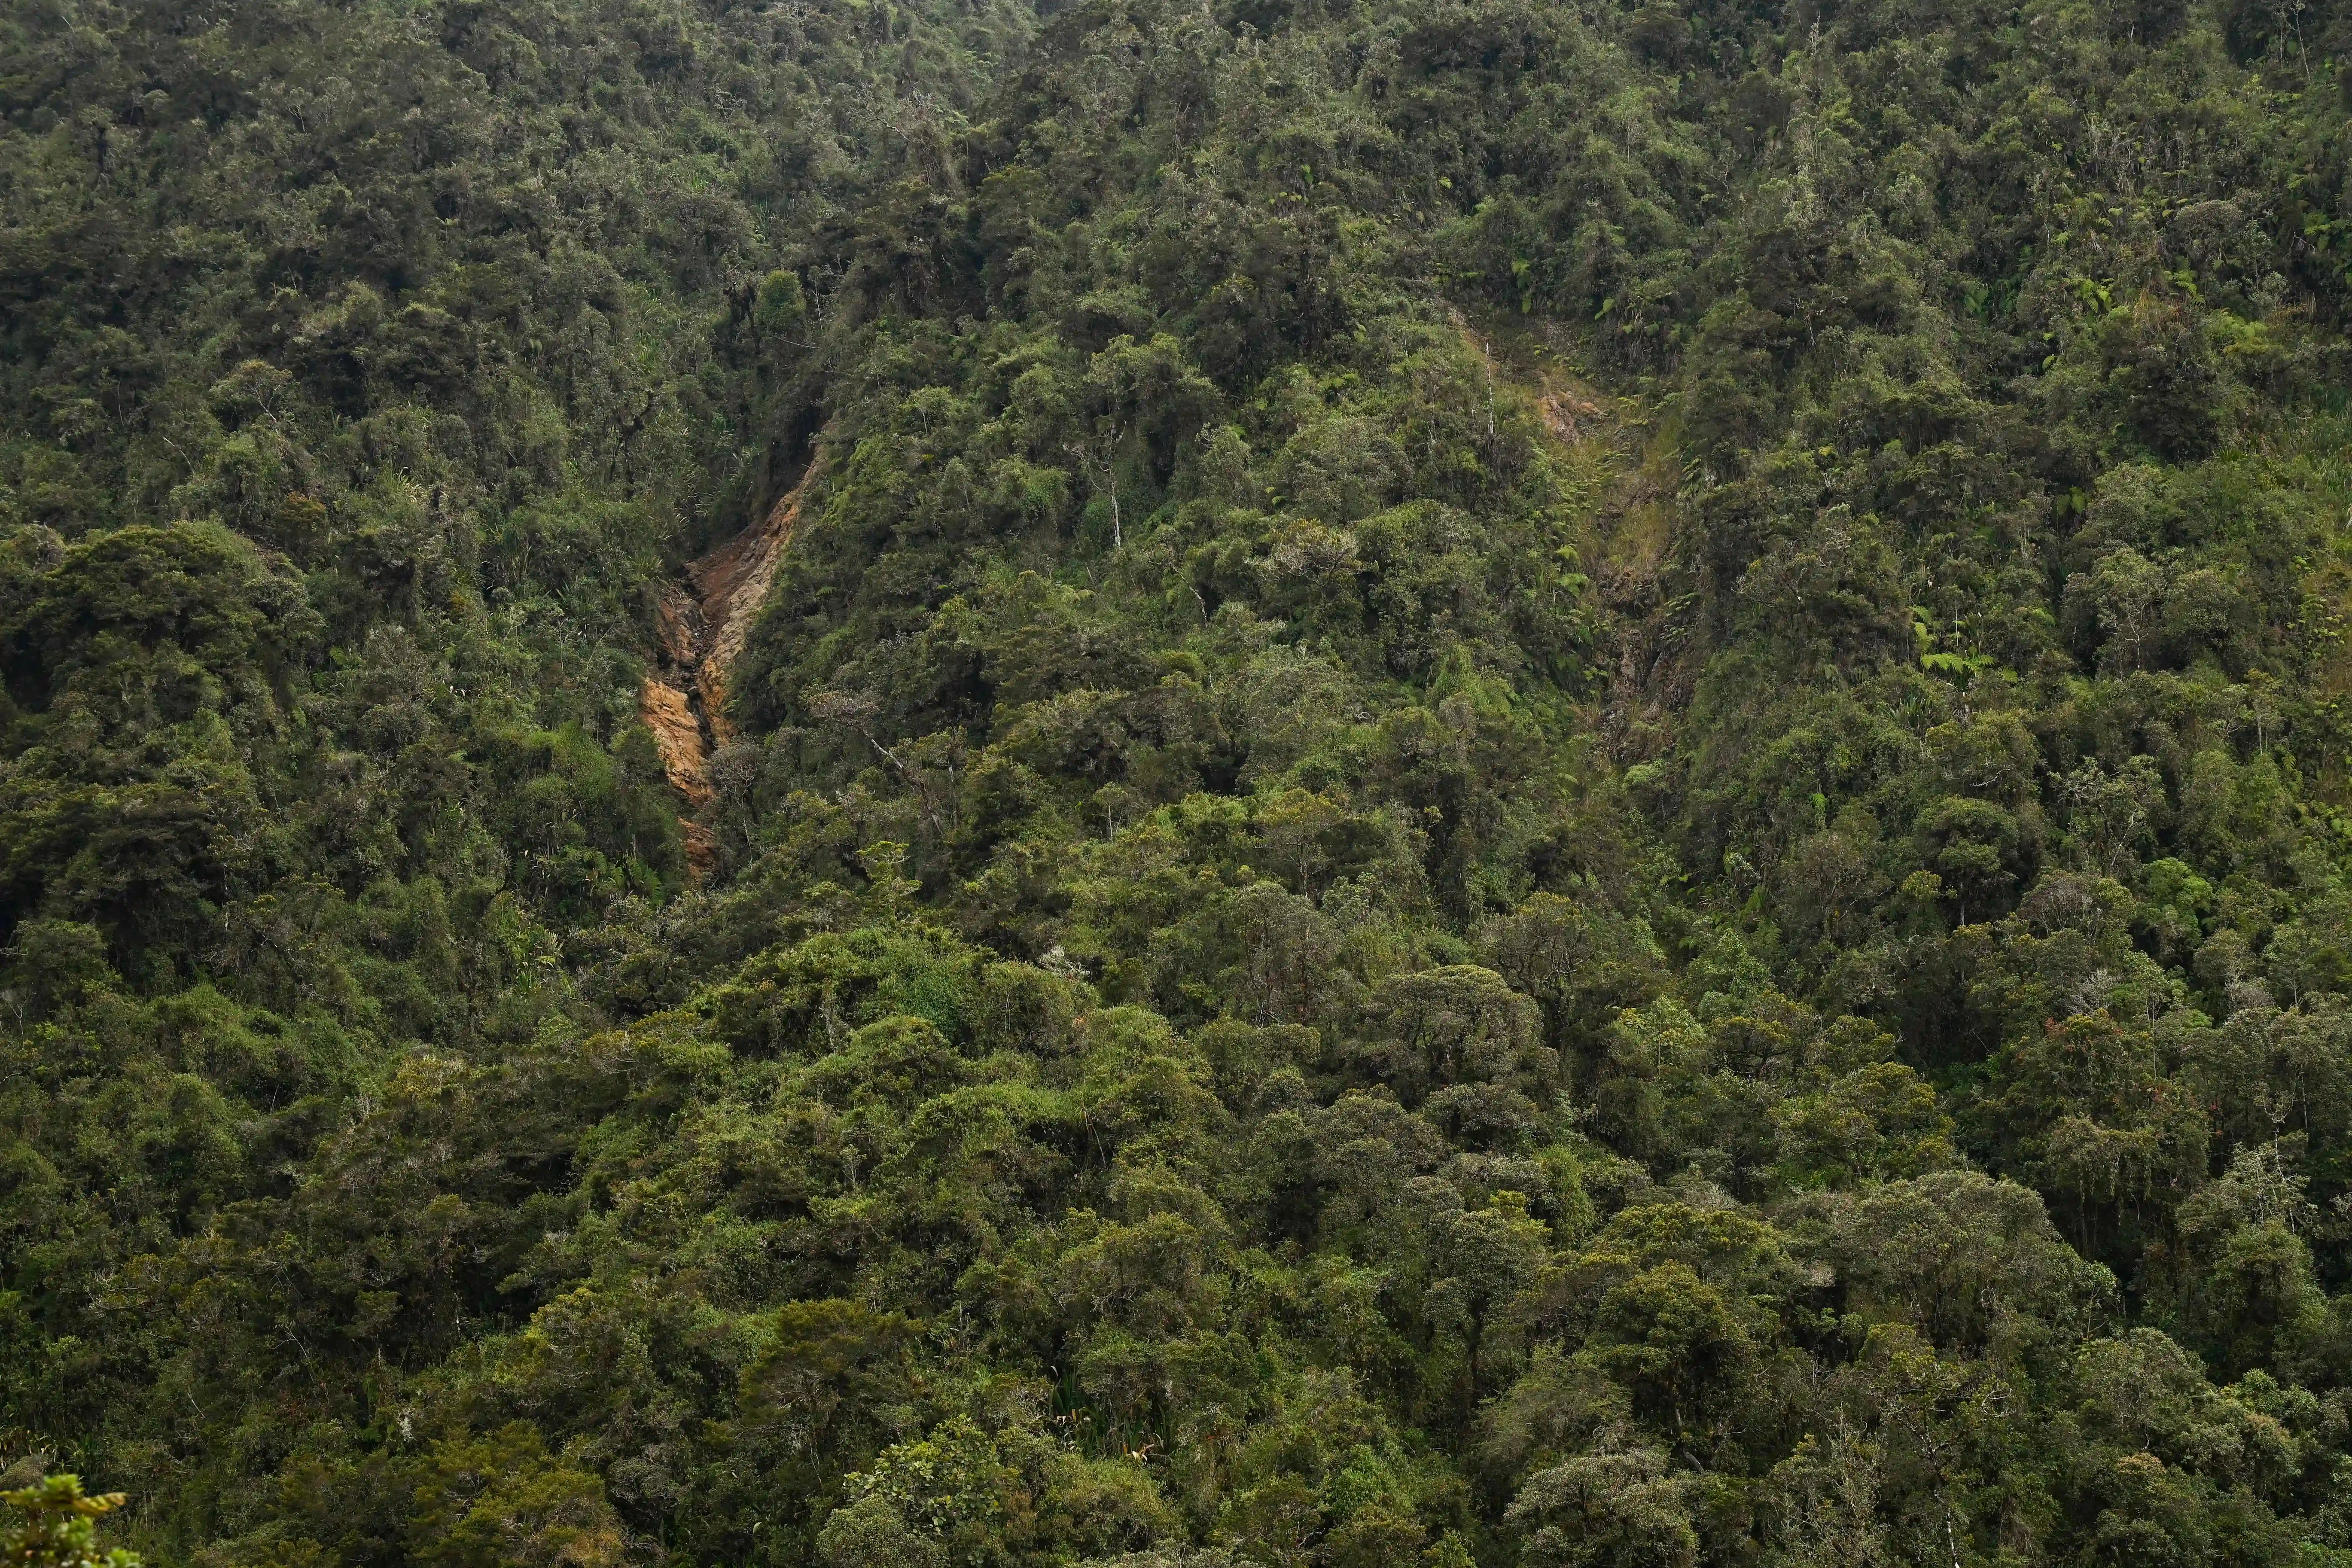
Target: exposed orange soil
702,626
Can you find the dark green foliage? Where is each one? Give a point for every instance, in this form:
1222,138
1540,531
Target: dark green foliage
1528,783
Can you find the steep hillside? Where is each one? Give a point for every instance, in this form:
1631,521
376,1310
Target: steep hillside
1447,781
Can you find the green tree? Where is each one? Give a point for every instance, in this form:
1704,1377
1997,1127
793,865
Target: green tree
57,1526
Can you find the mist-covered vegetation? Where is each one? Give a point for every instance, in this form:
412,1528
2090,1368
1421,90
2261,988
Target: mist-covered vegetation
1532,782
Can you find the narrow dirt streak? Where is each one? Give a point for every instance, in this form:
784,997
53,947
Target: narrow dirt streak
702,625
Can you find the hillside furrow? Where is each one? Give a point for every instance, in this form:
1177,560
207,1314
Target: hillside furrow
703,622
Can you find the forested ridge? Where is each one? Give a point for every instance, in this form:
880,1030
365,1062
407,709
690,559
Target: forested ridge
1505,781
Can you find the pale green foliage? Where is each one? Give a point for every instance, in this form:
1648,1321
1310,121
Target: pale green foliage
58,1527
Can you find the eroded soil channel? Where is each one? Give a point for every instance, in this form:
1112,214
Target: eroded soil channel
703,620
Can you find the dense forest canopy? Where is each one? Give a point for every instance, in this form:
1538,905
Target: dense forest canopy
1475,782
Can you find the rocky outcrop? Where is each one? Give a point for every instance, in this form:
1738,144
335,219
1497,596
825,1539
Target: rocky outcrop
1565,413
